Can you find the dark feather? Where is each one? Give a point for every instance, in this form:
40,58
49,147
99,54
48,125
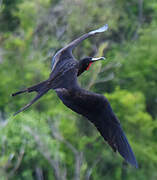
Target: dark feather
95,107
40,88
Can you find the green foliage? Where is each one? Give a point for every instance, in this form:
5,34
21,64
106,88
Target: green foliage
49,141
138,70
9,21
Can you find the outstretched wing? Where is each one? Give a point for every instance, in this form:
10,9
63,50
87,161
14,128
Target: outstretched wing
97,109
66,52
113,133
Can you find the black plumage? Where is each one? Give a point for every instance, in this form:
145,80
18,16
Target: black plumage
95,107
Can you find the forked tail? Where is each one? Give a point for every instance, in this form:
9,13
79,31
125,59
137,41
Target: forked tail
40,88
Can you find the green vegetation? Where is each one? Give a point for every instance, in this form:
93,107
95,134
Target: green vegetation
49,141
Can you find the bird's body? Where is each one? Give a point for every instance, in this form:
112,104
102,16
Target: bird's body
95,107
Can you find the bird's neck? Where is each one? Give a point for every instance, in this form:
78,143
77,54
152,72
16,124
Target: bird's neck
81,68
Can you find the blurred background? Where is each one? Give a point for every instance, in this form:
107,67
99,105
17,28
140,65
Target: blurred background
49,141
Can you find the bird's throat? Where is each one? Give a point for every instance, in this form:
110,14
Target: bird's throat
89,66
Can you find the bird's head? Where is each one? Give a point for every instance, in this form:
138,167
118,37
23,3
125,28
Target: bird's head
85,63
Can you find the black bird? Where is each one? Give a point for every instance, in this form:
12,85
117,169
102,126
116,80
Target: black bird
95,107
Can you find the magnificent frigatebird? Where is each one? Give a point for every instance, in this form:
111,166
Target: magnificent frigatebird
95,107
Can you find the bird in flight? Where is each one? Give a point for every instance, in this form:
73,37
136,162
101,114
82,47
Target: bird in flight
95,107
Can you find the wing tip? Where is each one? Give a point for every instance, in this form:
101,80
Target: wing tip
102,29
124,148
126,152
132,161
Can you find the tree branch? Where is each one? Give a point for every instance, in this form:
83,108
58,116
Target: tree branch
108,78
78,155
17,165
45,152
140,18
39,173
89,172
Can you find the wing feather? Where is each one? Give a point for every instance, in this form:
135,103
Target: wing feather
97,109
68,49
113,133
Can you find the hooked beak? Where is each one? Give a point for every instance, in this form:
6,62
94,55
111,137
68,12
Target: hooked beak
97,59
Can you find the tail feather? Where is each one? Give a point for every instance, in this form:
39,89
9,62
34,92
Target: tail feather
19,92
33,101
40,88
36,88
